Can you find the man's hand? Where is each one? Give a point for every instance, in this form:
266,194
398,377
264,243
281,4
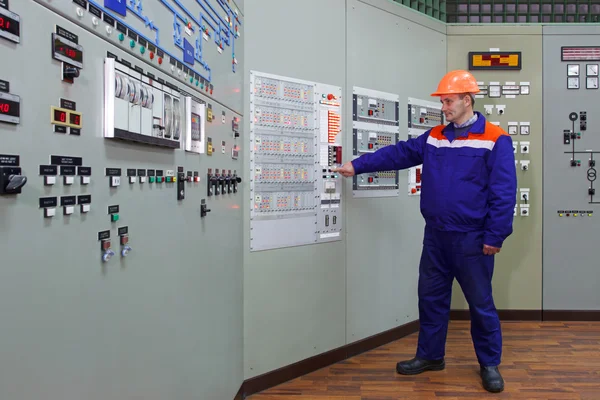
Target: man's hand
490,250
346,170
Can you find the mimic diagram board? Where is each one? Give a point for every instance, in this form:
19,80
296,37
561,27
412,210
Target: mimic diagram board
296,138
422,116
571,165
197,42
375,124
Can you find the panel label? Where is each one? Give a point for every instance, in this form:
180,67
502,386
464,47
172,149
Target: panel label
151,172
67,35
68,104
113,171
75,131
84,171
48,202
65,160
103,235
84,199
108,19
48,170
131,172
82,3
60,129
68,201
95,11
113,209
4,4
123,230
4,85
9,160
67,170
141,172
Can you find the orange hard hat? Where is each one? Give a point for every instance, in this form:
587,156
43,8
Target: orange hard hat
456,82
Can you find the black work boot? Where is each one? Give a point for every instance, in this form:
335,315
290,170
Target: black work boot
418,365
491,379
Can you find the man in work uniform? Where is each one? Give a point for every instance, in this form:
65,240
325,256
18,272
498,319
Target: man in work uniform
468,195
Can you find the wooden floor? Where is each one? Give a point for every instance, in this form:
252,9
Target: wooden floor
541,360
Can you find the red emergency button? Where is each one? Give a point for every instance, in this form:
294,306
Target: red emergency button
160,60
152,55
413,190
330,96
370,145
370,179
124,240
105,244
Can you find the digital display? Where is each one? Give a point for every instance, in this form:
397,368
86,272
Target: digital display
66,51
495,60
10,108
10,25
64,117
60,116
75,119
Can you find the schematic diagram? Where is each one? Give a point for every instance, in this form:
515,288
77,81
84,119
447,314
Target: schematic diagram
422,116
296,140
375,124
184,33
570,137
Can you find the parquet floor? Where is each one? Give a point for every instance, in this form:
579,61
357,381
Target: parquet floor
541,360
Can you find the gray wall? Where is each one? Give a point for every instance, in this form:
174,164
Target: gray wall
303,301
517,281
571,272
164,322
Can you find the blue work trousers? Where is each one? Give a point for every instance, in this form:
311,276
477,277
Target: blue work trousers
448,255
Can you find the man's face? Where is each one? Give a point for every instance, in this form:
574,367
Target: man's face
453,107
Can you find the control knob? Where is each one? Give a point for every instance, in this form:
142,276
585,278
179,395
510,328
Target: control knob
70,72
11,180
126,250
107,255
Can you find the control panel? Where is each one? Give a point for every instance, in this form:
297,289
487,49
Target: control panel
105,122
296,137
422,116
375,124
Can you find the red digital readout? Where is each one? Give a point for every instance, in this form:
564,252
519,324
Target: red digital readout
67,51
60,116
4,23
4,108
75,119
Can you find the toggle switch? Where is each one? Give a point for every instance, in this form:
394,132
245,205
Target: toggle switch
68,210
203,208
85,180
524,165
49,212
68,179
132,179
49,180
524,210
525,147
115,181
85,208
524,195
